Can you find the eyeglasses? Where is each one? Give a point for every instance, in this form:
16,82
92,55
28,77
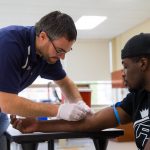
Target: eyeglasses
59,51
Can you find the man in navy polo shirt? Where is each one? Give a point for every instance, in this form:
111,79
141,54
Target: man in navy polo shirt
28,52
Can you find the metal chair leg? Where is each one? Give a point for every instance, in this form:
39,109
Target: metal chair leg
29,146
51,145
100,144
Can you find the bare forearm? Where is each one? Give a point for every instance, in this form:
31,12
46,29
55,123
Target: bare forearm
58,126
69,89
72,94
98,121
13,104
147,146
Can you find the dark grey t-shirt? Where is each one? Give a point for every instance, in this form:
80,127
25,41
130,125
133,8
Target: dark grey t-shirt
137,105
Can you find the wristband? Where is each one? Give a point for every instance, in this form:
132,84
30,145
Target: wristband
116,114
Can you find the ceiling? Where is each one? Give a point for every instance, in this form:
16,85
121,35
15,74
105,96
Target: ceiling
122,14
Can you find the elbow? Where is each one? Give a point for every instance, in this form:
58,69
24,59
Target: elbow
5,109
6,106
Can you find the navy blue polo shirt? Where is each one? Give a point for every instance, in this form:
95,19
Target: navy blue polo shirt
19,63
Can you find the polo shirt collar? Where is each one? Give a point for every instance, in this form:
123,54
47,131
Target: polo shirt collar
32,45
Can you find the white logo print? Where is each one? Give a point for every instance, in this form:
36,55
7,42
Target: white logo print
142,126
27,59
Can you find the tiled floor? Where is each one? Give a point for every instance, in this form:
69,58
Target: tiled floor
121,146
83,144
87,144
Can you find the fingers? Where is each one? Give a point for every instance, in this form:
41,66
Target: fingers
84,106
80,114
12,118
16,123
73,112
92,112
26,125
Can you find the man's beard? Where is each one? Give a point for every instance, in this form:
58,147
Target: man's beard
48,60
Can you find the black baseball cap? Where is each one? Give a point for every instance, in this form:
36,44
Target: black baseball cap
137,46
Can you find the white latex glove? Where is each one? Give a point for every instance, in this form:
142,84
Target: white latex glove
84,106
71,112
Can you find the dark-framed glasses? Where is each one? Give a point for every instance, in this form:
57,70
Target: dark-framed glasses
59,51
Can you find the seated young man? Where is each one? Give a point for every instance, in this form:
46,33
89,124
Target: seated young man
133,108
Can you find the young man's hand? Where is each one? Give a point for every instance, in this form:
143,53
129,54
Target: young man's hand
27,125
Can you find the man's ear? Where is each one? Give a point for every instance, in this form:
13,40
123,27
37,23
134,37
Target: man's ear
144,63
42,35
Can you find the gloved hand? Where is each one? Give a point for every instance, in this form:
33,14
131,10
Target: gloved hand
71,112
84,106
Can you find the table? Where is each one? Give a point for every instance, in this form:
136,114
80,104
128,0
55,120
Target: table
29,141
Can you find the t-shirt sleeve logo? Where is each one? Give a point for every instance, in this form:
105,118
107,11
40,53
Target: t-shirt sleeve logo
142,128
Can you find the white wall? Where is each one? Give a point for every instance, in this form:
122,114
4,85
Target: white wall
119,42
88,61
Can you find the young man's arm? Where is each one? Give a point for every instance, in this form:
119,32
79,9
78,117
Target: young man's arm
103,119
147,146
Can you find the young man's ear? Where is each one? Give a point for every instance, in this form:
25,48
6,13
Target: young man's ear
144,63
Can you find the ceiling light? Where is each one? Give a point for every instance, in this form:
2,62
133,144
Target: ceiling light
89,22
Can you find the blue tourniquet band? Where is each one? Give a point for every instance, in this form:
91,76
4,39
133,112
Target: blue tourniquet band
116,114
